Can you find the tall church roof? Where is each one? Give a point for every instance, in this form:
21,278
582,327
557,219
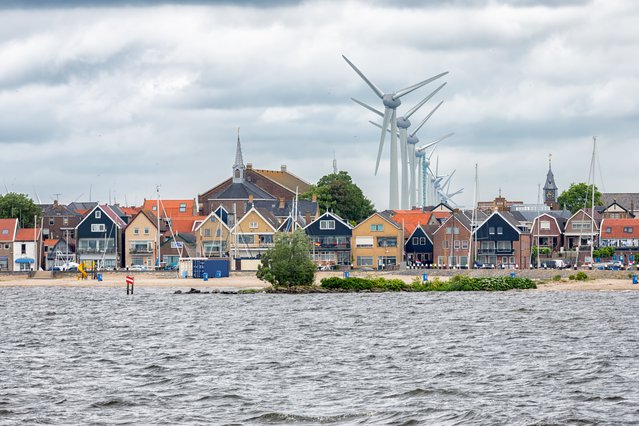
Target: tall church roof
550,179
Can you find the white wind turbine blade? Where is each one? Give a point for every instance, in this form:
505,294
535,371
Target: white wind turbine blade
435,142
394,175
370,84
380,126
368,107
387,116
409,89
426,99
421,123
451,195
407,161
448,178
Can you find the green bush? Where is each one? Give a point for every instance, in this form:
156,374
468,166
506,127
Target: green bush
556,278
581,276
456,283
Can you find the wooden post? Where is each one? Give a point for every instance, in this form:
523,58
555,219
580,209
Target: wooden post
129,284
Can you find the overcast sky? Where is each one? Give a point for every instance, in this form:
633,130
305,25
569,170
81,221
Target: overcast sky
116,97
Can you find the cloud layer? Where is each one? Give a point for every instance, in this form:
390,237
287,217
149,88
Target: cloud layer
106,99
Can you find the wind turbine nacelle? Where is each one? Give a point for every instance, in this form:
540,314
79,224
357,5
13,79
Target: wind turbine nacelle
390,102
403,123
420,154
414,140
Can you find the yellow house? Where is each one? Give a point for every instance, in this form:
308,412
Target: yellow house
252,235
377,243
212,237
141,236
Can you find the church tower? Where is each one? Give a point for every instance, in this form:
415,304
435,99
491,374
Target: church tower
238,167
550,188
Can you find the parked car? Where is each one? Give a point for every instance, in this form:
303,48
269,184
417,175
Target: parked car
138,268
480,265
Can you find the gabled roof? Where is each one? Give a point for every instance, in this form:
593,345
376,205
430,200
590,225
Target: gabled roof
82,207
200,223
412,218
8,229
267,216
117,220
420,231
617,227
49,242
503,216
241,191
27,234
303,207
459,219
332,216
52,210
184,225
587,214
285,179
150,216
385,215
130,211
171,208
286,225
627,200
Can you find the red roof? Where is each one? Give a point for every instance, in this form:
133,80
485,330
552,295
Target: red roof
27,234
183,225
50,242
130,211
411,218
171,208
619,229
8,229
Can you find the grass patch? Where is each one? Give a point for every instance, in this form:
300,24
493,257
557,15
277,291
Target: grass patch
456,283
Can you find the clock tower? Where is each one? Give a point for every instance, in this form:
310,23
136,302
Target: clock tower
550,188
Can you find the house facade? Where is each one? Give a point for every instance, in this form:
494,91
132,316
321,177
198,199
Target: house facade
501,243
57,253
623,236
26,249
8,231
547,232
253,234
330,238
59,221
418,248
451,242
581,232
377,243
212,236
100,238
141,240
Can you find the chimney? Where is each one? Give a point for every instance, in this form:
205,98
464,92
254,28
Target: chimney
55,202
314,198
249,166
283,167
307,217
251,199
281,203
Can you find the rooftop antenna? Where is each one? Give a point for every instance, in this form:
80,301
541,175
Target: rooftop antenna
57,196
334,164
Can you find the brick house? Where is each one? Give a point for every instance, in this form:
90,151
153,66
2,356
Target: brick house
8,231
547,232
623,236
451,242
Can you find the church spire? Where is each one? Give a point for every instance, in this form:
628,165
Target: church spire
238,167
550,188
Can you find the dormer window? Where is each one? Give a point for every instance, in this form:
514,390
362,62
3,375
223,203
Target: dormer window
182,207
627,229
608,230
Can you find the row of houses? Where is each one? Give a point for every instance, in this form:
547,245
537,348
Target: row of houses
110,237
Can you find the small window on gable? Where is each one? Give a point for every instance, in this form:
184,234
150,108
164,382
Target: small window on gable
98,214
218,232
65,220
327,224
146,231
422,241
154,208
377,227
182,207
415,240
51,221
253,225
500,230
207,232
608,230
136,231
491,230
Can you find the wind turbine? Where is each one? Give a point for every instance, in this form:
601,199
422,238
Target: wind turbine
420,154
403,123
391,101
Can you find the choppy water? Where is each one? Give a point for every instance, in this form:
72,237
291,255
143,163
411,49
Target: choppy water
77,356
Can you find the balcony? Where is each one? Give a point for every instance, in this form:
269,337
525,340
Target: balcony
140,250
90,250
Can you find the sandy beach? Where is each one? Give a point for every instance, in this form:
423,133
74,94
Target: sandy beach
248,280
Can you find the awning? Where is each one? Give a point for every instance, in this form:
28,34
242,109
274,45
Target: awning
25,260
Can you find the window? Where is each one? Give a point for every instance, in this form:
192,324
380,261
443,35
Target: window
377,228
266,239
246,239
627,229
136,231
364,260
445,244
608,230
218,232
5,232
253,225
387,241
512,260
23,248
453,230
500,230
146,231
583,226
182,207
51,221
503,245
422,241
415,241
98,214
154,208
544,224
6,246
456,244
464,244
65,221
98,227
327,224
504,260
364,242
207,232
491,230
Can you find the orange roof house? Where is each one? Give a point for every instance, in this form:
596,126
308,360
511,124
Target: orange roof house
171,208
28,234
8,229
410,219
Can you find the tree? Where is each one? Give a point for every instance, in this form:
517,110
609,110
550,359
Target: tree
19,206
604,252
578,196
288,263
337,192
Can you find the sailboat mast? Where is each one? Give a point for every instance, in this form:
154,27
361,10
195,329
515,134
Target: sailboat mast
157,212
471,260
592,204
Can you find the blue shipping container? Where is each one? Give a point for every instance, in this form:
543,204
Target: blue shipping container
213,266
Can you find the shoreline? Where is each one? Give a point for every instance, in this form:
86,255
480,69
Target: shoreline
248,280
